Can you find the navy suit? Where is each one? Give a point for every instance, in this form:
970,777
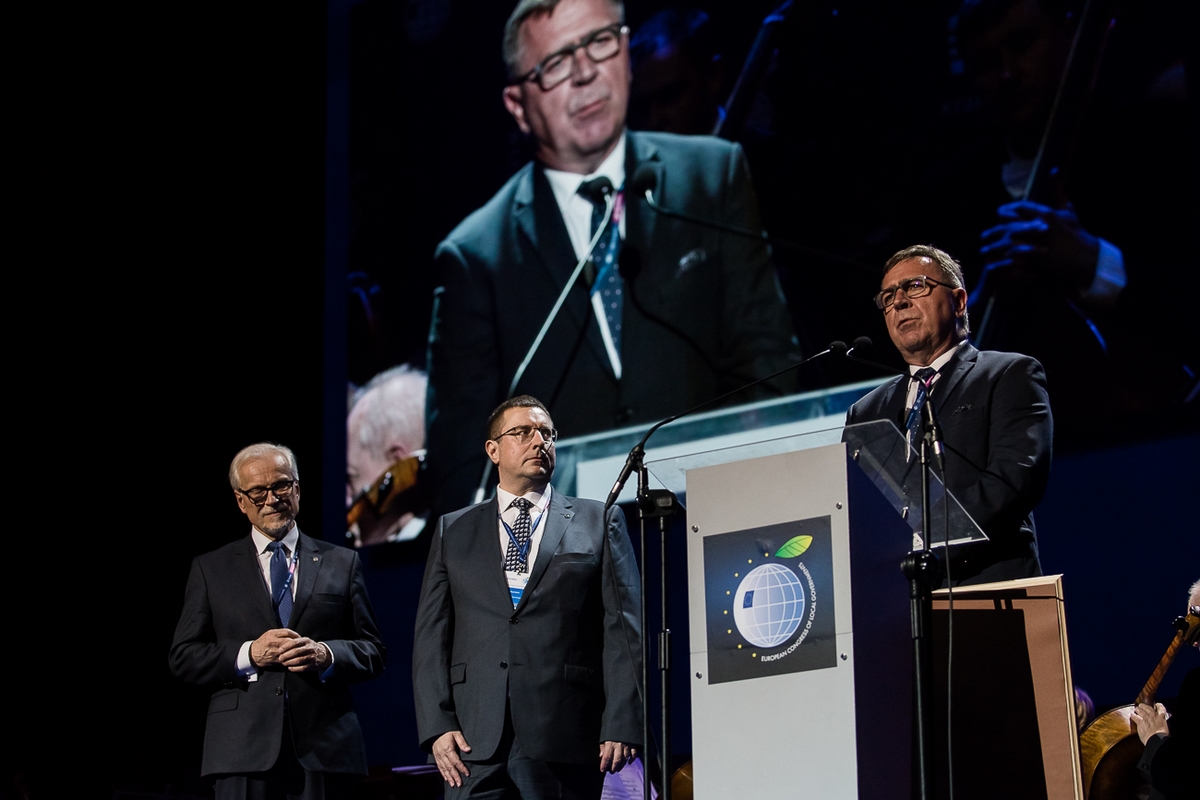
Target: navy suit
227,604
566,660
503,267
997,430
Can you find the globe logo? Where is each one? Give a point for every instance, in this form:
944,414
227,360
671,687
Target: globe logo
769,605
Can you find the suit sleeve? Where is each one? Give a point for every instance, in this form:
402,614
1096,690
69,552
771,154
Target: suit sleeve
432,639
360,656
622,720
196,654
757,338
464,379
1020,432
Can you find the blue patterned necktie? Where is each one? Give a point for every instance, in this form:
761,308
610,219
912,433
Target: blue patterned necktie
609,283
281,585
522,529
923,377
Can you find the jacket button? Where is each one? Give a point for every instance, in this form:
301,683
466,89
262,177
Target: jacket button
278,690
514,621
503,665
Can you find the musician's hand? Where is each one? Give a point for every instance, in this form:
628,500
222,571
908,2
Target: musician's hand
1033,242
1150,720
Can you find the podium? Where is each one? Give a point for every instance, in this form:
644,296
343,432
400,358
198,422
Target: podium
801,662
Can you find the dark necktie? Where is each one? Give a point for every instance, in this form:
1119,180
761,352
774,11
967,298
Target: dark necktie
608,283
281,584
923,377
516,555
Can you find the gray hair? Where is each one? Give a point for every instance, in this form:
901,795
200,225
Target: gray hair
511,47
951,271
258,451
392,409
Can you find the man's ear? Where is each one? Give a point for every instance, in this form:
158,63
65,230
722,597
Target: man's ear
960,302
514,101
492,448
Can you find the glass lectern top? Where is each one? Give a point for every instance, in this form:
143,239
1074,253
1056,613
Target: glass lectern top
878,448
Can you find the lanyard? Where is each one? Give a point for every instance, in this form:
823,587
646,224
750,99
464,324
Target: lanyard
522,551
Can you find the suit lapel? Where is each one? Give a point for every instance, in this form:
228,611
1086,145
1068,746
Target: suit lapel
308,565
962,363
250,577
490,564
558,519
640,219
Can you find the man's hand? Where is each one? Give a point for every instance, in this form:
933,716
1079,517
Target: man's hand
266,649
445,753
615,755
1150,720
303,653
1033,242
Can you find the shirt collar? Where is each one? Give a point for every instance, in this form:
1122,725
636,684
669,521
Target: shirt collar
938,362
261,540
566,184
540,500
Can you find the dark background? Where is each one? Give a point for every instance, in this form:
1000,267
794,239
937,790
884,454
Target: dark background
188,184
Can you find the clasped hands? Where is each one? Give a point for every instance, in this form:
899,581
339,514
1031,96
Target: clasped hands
613,756
289,649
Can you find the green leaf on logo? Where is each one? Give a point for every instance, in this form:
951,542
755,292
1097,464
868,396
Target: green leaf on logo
794,547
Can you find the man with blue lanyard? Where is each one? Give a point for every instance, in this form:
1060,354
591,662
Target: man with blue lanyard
527,653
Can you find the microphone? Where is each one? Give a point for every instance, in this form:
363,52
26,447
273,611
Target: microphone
645,181
630,266
639,450
602,187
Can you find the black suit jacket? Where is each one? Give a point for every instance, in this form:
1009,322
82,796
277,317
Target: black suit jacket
227,604
503,267
567,659
997,430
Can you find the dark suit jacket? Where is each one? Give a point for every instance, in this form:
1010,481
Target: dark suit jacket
503,267
996,423
567,658
227,604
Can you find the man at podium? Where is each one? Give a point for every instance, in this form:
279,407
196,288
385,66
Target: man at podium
992,407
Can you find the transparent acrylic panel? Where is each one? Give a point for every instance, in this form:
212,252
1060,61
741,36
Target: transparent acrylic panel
879,449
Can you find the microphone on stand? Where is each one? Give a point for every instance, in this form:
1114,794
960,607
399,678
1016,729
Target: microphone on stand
603,186
645,181
638,451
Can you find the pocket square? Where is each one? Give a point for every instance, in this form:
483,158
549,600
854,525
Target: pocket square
965,407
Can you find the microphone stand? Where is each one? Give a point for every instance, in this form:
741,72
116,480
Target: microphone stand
924,571
662,504
609,202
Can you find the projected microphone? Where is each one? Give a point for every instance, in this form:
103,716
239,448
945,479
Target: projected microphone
645,181
602,186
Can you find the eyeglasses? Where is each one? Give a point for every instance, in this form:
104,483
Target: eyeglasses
524,434
916,286
258,494
555,68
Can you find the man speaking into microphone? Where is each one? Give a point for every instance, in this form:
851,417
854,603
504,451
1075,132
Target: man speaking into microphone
701,314
992,407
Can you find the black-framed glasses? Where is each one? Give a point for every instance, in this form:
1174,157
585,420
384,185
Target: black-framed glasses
524,434
916,286
258,494
600,45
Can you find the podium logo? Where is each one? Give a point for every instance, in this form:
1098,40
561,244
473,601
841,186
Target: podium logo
769,605
761,595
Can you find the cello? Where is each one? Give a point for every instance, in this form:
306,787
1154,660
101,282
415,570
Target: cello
1109,748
